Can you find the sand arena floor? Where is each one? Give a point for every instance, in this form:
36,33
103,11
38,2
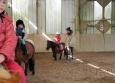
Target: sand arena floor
86,68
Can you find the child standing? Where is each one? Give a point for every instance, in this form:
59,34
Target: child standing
22,34
8,42
57,39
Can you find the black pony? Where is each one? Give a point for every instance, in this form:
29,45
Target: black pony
55,48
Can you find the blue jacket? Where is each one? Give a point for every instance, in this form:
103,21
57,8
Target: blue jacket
19,31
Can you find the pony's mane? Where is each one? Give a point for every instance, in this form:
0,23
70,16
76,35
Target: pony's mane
6,77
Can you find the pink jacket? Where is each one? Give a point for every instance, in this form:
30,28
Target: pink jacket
8,38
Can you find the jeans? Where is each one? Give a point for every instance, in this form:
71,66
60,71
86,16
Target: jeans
23,41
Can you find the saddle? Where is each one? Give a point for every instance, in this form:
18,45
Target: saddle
60,47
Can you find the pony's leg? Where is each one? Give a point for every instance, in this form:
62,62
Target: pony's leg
55,56
72,52
68,54
71,49
65,54
31,65
60,55
26,68
33,72
68,58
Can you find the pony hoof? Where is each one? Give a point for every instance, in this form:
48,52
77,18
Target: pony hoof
59,58
33,73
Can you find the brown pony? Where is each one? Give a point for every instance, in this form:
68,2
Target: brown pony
29,59
6,77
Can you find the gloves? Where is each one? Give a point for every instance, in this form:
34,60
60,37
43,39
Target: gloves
2,58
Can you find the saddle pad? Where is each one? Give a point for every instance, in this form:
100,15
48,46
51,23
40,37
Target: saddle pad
29,46
61,47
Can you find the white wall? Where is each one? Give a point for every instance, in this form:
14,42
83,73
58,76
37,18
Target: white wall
44,16
32,17
68,18
41,16
87,42
55,15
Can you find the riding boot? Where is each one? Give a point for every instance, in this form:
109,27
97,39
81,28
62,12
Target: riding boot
25,51
59,47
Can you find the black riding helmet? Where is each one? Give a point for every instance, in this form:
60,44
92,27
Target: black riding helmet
69,29
18,22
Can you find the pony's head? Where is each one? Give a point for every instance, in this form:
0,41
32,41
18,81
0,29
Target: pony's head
6,77
49,44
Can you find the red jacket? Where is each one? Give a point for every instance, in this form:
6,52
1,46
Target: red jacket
57,39
8,38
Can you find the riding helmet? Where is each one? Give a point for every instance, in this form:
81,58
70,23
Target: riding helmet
18,22
69,29
57,32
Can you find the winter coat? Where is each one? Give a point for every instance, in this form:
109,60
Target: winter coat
8,38
20,31
70,40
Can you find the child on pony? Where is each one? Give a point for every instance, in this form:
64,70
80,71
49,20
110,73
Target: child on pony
8,41
22,35
57,39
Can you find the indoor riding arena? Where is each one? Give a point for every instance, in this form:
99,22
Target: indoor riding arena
92,27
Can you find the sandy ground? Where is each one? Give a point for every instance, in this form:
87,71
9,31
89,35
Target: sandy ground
86,68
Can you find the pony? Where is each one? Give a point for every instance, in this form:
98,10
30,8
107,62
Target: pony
29,59
7,77
55,48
